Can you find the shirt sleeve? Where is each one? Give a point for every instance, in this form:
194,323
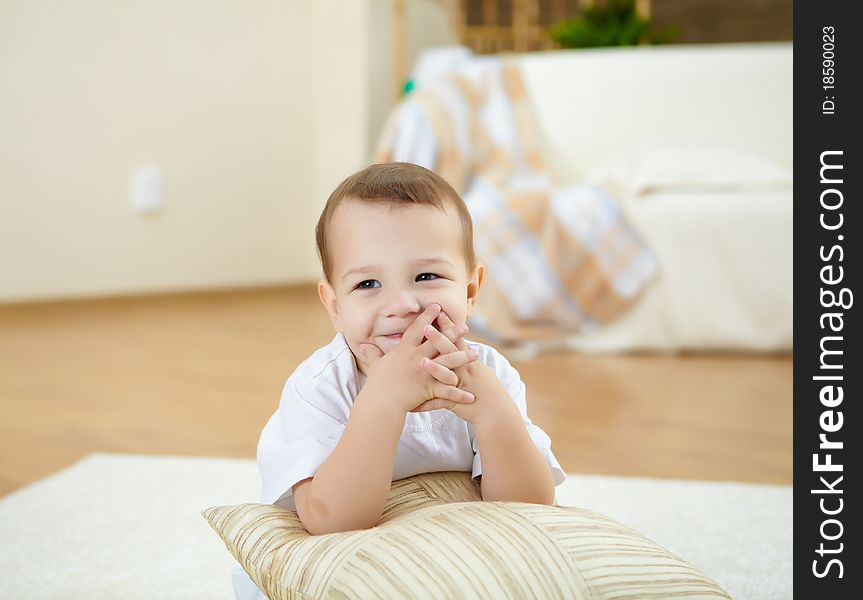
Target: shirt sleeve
295,442
516,388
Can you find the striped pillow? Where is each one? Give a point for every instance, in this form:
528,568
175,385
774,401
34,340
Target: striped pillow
436,539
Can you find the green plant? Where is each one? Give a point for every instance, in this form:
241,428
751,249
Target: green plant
614,23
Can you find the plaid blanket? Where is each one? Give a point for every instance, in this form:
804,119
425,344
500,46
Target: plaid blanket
559,260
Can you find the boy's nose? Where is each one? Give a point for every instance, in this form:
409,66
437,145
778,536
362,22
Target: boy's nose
401,304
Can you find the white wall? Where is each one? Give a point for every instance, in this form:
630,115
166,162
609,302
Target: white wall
253,110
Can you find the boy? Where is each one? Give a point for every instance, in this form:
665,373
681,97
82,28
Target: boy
398,391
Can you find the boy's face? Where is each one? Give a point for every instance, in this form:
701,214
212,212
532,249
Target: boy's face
389,263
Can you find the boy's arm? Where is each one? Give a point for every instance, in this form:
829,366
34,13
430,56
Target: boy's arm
513,469
349,490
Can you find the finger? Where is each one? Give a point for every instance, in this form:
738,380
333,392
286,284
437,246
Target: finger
446,326
440,342
434,404
453,332
439,372
414,334
443,320
454,360
369,354
448,392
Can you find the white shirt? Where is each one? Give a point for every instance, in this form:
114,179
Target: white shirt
314,409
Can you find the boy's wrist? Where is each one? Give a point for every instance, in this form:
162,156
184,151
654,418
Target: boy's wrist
494,405
498,418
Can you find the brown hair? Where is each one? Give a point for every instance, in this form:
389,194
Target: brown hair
397,183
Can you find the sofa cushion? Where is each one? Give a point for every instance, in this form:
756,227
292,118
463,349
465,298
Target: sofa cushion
687,166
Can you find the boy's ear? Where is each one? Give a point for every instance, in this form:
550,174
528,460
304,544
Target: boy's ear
473,285
328,298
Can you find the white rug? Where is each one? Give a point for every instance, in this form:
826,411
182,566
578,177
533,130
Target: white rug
129,526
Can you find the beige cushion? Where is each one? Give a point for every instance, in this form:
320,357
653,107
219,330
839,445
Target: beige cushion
437,539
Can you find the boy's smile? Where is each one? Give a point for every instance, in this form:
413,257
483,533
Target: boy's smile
389,263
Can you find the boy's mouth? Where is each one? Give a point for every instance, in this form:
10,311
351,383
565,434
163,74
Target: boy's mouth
393,336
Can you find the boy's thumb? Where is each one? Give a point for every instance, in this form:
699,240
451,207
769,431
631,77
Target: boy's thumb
370,353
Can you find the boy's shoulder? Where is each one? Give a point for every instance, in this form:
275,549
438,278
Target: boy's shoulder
326,380
331,366
335,356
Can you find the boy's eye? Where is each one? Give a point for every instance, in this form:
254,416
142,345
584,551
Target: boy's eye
368,284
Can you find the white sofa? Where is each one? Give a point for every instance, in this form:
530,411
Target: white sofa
696,142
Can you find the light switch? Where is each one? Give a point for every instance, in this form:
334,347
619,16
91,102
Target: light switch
147,190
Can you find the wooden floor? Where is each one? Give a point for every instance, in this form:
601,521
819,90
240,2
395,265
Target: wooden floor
199,374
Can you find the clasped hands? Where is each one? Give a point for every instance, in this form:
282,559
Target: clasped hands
419,375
